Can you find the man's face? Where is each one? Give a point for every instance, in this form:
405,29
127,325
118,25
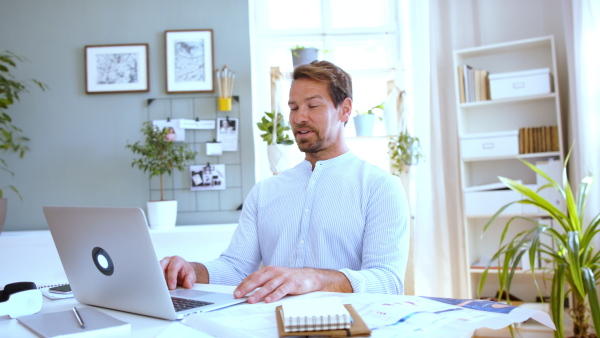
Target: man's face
316,123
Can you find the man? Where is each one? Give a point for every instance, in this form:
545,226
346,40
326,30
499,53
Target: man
332,223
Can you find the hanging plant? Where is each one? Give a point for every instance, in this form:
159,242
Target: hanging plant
404,150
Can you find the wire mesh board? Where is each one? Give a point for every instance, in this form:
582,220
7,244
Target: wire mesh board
211,185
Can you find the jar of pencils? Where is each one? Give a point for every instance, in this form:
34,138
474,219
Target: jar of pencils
225,103
225,79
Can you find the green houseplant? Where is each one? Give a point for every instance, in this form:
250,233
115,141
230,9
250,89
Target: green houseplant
364,121
278,141
11,138
404,151
160,156
267,124
575,262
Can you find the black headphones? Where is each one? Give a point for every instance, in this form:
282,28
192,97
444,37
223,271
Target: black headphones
20,299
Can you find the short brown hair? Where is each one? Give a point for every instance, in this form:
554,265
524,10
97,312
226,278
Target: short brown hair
338,81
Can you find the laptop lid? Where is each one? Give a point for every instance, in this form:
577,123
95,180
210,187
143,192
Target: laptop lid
109,260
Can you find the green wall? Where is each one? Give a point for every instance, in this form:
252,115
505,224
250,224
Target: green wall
78,154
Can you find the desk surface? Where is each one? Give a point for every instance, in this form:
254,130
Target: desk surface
141,326
32,256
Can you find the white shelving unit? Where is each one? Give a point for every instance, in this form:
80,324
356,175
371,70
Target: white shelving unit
503,116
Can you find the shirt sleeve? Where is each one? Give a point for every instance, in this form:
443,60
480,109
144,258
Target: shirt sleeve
386,240
242,257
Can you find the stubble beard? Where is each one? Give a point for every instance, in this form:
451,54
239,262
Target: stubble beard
309,147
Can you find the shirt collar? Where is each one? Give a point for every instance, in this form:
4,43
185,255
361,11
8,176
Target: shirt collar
347,156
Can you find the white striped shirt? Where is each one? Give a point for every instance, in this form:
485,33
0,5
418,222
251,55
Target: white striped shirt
346,215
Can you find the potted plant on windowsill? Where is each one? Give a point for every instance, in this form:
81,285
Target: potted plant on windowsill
159,156
278,141
364,121
11,138
302,55
575,262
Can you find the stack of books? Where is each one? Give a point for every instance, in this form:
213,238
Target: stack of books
538,139
473,84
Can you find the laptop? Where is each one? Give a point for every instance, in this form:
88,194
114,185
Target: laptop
110,262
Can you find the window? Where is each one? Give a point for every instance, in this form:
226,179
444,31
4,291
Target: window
359,36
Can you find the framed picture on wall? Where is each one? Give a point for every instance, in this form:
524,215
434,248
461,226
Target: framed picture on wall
189,61
116,68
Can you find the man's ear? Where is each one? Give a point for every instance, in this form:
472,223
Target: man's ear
345,110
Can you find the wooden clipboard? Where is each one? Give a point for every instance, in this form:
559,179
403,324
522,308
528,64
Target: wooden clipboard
358,328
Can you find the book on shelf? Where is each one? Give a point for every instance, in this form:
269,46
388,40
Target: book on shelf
538,139
461,84
473,84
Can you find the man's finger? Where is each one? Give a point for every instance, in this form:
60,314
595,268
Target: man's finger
255,280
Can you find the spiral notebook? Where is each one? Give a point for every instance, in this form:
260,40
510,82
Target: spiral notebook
358,328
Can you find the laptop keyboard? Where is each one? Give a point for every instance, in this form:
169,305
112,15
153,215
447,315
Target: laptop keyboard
182,304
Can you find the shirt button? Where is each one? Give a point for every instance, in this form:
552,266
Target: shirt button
306,211
302,242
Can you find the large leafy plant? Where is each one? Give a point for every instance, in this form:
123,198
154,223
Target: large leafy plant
11,137
575,262
159,155
267,125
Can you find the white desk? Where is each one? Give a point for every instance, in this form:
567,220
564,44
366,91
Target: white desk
32,256
141,326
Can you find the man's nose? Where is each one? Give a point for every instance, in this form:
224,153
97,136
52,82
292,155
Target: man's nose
300,115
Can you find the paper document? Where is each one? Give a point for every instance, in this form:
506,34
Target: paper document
386,316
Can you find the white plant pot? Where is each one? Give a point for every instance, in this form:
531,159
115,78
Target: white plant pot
279,157
162,214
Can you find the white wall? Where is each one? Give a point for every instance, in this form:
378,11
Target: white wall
78,154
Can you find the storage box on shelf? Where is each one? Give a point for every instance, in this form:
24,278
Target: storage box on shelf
489,145
522,83
523,101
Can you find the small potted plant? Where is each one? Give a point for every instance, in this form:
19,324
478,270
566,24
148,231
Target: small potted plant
278,141
302,55
11,138
364,121
404,150
159,156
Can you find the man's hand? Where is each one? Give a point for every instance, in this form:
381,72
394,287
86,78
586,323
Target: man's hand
276,282
178,271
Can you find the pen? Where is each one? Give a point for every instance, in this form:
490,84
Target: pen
78,316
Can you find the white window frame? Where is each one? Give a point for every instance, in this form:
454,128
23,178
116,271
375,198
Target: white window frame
262,37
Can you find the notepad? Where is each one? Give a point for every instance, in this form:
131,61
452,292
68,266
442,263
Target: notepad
315,314
65,324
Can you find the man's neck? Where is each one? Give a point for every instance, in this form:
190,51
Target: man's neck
325,155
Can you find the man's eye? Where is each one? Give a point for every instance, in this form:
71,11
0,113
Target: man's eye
293,108
313,106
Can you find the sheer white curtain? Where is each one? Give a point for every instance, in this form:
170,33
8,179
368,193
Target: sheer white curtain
438,247
582,34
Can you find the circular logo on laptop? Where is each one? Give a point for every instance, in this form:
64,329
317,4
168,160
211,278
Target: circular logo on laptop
102,261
